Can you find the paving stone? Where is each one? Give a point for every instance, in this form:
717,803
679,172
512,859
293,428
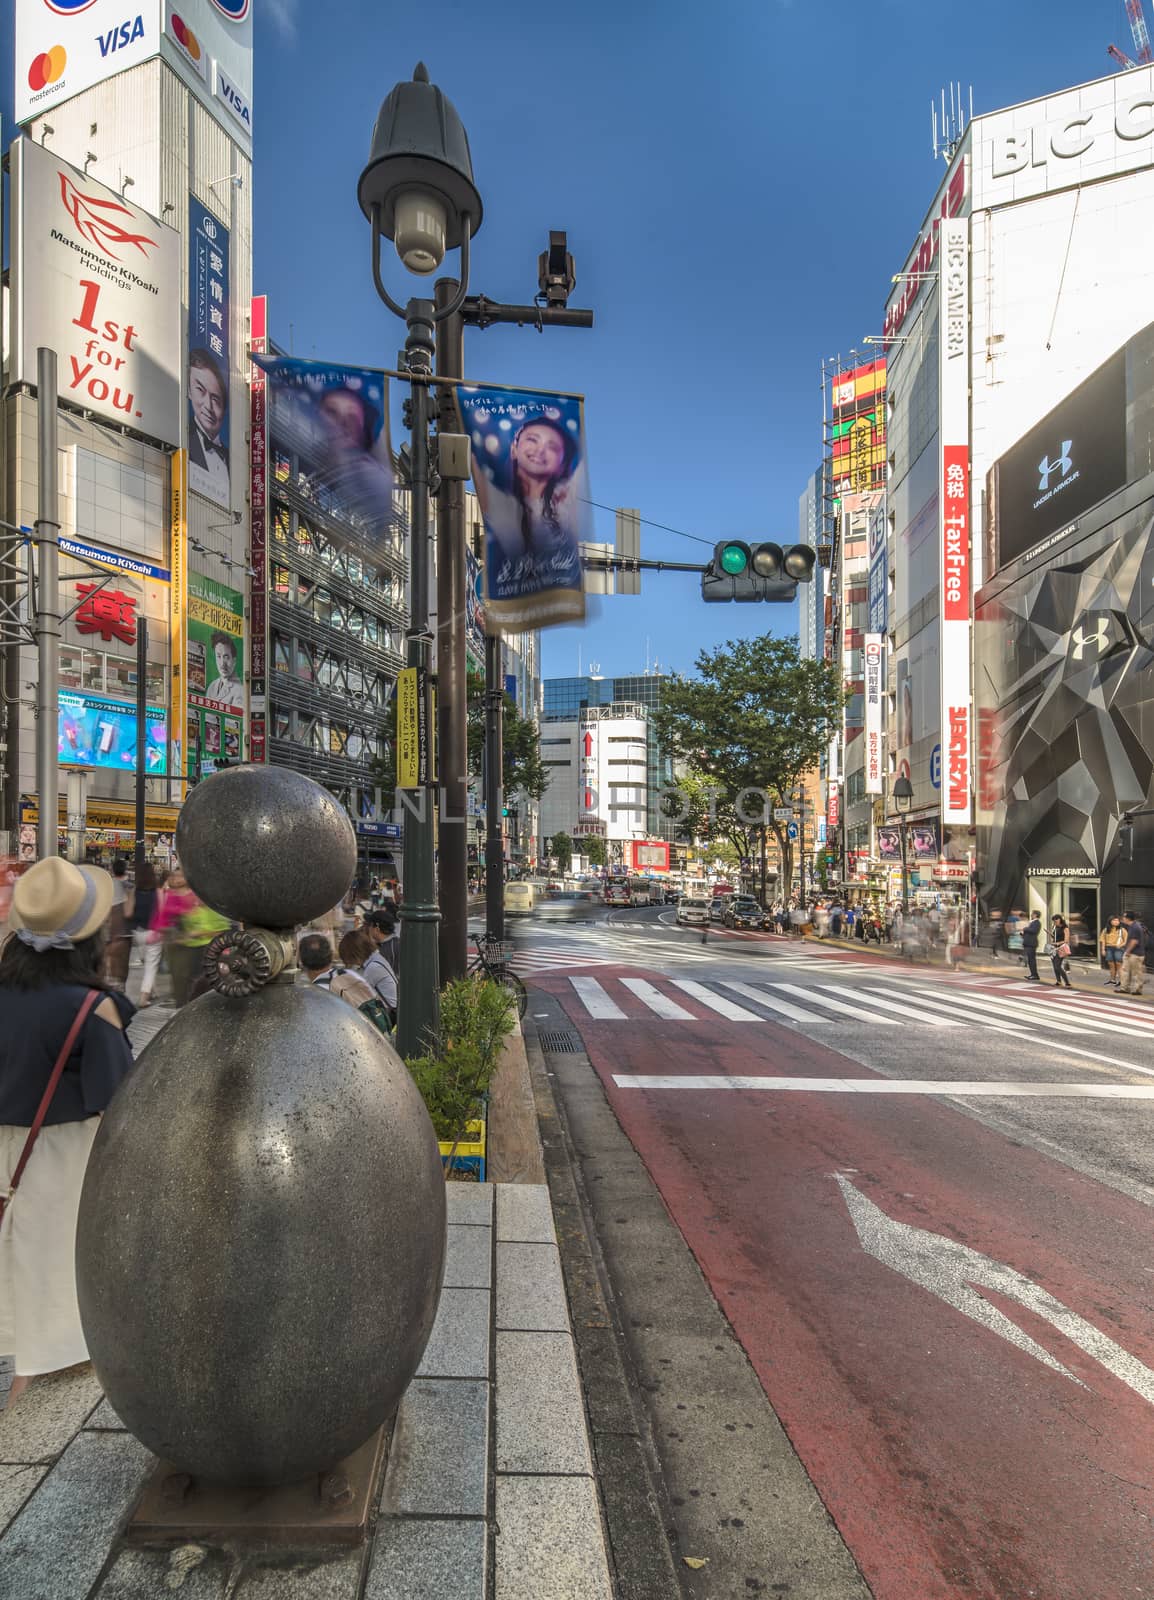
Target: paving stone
104,1417
459,1347
468,1258
336,1579
550,1545
16,1484
540,1411
428,1560
57,1545
439,1455
192,1571
43,1421
524,1215
530,1289
469,1203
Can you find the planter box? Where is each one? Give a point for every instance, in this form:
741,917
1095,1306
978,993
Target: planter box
470,1152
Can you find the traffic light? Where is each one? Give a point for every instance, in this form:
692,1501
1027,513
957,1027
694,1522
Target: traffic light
741,571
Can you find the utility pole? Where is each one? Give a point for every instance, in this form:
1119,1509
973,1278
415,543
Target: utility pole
452,693
47,612
494,789
141,733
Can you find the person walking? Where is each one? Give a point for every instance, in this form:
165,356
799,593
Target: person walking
188,927
1060,952
1133,955
63,1053
119,945
359,955
1031,932
1112,943
315,953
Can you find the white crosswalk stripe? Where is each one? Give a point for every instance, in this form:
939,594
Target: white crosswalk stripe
875,1014
716,1002
595,1000
657,1002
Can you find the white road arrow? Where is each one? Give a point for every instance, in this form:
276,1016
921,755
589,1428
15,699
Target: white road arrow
948,1269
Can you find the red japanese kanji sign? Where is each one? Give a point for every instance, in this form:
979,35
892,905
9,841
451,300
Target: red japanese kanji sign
107,612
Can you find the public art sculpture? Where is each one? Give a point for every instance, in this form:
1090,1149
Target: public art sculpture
262,1229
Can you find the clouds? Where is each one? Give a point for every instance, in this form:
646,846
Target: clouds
283,16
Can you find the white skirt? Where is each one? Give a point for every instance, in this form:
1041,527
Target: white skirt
39,1316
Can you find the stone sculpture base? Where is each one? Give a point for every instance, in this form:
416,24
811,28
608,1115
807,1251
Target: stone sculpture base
333,1508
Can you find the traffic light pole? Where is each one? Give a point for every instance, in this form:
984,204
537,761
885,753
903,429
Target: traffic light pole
494,789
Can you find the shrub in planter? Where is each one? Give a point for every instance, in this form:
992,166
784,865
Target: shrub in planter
477,1017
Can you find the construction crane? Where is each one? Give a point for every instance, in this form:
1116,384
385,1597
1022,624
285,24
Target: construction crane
1138,30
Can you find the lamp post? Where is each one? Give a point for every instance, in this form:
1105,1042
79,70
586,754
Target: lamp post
902,794
417,190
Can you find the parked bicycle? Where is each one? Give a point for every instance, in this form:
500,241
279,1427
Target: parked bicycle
492,960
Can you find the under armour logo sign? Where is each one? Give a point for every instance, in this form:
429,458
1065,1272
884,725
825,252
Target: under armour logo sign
1047,468
1083,640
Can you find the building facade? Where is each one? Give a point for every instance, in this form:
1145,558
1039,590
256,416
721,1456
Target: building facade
130,251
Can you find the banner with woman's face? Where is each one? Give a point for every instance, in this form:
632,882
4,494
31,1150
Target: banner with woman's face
529,472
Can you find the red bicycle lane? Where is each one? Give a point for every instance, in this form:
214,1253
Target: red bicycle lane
954,1459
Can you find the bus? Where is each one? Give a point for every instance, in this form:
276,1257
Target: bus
627,889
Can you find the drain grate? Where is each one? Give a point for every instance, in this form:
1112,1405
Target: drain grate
560,1044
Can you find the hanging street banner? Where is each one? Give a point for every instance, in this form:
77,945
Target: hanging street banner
342,416
96,279
412,728
529,473
873,713
209,469
215,674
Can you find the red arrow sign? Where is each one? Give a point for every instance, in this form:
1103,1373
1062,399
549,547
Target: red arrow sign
588,744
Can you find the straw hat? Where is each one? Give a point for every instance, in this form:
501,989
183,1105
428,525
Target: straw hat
56,904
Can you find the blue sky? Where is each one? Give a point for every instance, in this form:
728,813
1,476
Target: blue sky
739,180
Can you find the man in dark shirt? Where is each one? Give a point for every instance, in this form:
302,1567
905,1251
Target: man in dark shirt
1134,955
1030,935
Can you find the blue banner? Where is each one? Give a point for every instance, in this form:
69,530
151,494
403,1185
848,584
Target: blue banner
341,417
878,574
529,472
208,356
114,558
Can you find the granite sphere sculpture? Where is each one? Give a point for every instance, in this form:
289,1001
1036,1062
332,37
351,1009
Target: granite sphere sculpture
266,845
262,1228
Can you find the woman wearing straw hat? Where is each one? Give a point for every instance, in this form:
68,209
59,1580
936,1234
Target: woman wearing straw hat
63,1052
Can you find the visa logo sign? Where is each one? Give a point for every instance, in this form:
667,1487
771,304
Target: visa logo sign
120,37
227,92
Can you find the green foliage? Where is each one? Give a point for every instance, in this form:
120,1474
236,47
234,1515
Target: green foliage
477,1016
755,718
523,771
561,846
594,848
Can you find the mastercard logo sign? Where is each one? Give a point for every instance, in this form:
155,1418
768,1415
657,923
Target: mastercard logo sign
185,37
47,68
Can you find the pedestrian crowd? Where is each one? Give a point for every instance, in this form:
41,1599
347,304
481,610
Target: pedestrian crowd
1122,944
74,933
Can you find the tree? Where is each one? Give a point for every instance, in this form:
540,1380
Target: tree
561,846
754,719
523,771
595,850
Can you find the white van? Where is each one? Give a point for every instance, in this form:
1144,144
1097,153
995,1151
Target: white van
520,898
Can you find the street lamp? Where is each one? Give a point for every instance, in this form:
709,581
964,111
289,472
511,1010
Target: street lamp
417,190
902,794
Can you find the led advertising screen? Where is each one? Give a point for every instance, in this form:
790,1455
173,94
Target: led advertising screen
1068,462
97,732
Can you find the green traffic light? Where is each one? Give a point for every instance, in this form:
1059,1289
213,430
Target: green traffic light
734,559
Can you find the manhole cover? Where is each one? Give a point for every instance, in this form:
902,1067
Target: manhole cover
560,1044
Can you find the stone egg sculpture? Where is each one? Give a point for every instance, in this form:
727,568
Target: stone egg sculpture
262,1228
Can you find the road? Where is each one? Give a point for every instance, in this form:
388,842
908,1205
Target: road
923,1202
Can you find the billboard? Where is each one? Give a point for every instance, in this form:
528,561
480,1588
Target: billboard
956,516
258,506
648,855
208,356
67,46
530,476
1068,462
858,429
98,281
873,713
215,646
878,571
94,731
342,415
209,43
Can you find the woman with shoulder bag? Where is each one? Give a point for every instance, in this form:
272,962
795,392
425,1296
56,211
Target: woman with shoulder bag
1060,952
63,1053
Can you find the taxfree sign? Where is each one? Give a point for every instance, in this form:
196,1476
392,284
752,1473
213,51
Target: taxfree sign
97,280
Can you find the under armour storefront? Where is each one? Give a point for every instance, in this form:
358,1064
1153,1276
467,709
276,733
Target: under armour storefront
1064,646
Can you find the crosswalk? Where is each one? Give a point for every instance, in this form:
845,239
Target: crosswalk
1072,1021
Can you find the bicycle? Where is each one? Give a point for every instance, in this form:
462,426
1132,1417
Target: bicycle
492,960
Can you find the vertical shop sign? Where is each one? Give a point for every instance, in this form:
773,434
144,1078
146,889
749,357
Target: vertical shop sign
873,713
956,531
258,506
209,362
177,601
587,767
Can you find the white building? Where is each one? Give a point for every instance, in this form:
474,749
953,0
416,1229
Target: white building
599,776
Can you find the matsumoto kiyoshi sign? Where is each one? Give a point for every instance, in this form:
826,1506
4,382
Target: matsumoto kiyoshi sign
97,280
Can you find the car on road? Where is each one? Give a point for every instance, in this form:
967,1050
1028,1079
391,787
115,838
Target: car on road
567,905
520,898
692,911
743,911
717,909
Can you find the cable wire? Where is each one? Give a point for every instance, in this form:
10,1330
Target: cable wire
649,523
